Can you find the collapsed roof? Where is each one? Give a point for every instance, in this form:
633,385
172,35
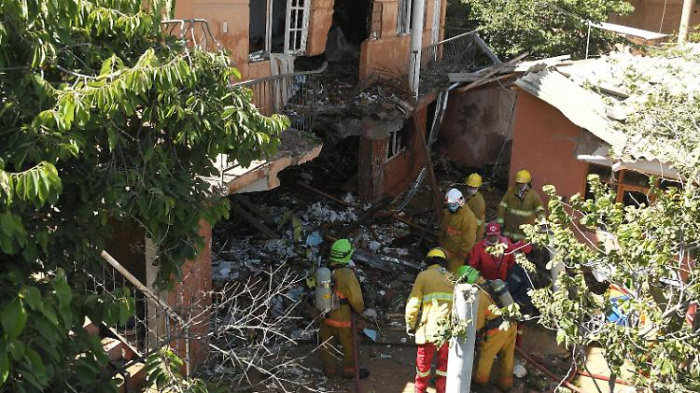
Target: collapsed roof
607,95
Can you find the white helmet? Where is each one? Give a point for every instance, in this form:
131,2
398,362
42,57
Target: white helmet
454,196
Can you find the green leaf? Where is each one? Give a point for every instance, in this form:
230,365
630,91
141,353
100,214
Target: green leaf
13,318
32,296
16,349
4,367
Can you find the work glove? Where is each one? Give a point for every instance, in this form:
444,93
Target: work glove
410,331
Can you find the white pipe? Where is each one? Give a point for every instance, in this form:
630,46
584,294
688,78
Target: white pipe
685,21
418,11
461,356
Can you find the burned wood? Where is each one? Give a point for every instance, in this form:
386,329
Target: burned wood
415,226
264,230
424,232
494,70
423,151
319,192
250,206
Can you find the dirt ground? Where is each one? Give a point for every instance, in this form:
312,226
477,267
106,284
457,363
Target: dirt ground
392,367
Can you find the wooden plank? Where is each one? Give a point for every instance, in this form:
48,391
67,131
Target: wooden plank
494,70
422,150
254,209
264,230
319,192
486,49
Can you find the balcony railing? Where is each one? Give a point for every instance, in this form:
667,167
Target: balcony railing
295,95
454,54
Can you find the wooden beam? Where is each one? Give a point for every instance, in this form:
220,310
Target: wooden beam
254,209
494,70
264,230
319,192
422,150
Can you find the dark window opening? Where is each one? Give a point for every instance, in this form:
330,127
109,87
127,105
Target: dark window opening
634,198
604,173
353,19
397,141
279,13
257,27
632,178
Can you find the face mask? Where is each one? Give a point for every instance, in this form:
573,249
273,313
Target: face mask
472,190
491,240
453,207
521,187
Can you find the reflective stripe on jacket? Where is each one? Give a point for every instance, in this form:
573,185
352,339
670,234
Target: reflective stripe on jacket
346,286
458,231
431,298
514,211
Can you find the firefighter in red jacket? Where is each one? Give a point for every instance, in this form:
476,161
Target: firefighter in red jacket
496,265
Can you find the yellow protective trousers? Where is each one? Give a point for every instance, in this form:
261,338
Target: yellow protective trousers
501,343
330,337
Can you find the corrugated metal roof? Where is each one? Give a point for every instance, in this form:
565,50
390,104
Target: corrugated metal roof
600,94
583,107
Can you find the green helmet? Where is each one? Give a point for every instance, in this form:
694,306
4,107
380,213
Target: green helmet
467,274
341,251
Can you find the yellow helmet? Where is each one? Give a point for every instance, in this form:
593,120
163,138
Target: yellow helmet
474,180
437,252
523,176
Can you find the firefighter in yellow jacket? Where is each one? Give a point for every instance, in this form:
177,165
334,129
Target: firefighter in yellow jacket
337,324
493,341
431,299
476,202
520,205
458,230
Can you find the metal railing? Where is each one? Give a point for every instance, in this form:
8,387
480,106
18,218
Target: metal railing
194,32
153,325
451,55
295,95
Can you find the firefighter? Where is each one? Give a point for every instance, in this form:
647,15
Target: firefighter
476,202
431,298
520,205
458,230
492,341
496,265
337,324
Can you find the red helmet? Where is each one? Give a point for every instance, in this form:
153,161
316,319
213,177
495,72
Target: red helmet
493,229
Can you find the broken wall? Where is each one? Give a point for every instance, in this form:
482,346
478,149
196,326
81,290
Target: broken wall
388,51
191,299
378,176
658,15
320,21
477,123
544,142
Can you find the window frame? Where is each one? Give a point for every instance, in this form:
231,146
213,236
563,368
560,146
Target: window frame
292,7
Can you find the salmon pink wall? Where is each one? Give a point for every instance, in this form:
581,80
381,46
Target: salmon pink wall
543,143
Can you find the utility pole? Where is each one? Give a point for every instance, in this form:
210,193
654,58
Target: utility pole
461,355
685,21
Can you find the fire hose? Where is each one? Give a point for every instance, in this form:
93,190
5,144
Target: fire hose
548,373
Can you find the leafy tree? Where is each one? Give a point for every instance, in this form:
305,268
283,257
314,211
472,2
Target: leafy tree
103,117
651,250
542,27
